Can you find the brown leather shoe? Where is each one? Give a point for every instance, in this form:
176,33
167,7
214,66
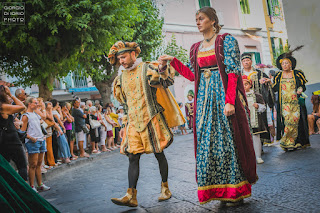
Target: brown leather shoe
165,192
130,199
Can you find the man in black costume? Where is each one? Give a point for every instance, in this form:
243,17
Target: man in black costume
260,84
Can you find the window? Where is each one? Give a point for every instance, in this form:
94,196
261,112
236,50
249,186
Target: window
255,57
204,3
280,44
274,8
245,8
273,46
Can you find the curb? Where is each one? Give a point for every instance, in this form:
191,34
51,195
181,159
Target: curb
57,171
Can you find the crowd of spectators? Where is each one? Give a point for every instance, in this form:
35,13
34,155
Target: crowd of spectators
38,136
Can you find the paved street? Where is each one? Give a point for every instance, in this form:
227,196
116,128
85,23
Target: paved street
288,182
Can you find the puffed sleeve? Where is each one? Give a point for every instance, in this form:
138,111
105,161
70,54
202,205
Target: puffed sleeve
160,78
182,69
117,91
302,79
233,67
276,83
120,96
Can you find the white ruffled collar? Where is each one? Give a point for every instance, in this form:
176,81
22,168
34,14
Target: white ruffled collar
135,64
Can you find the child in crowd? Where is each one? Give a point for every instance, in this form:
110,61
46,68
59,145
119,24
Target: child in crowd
183,126
256,106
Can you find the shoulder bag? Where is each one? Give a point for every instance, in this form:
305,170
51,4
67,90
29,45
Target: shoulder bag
94,123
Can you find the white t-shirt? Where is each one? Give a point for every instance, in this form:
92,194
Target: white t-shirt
55,112
120,118
34,126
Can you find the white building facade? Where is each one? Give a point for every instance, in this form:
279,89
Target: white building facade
246,20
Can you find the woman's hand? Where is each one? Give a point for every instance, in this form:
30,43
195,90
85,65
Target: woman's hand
265,81
7,90
165,58
34,140
255,105
229,109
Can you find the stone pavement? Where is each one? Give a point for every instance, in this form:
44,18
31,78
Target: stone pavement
288,182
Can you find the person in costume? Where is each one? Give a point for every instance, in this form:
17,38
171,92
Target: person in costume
150,110
314,117
292,124
225,160
189,109
257,107
260,84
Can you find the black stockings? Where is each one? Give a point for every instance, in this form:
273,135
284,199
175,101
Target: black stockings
163,166
133,171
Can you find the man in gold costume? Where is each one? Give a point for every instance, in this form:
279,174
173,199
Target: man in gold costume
150,110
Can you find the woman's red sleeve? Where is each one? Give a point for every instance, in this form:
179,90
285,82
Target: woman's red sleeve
182,69
232,88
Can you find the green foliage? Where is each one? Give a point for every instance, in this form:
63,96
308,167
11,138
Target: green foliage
145,29
245,8
148,31
61,33
176,51
279,51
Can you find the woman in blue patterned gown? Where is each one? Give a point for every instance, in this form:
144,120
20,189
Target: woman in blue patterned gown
223,143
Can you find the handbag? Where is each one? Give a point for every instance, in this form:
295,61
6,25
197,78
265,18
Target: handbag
44,131
94,123
44,125
85,129
22,135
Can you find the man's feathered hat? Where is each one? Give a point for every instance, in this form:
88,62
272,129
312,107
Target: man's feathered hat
121,47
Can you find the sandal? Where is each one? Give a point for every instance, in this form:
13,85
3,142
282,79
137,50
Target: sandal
74,157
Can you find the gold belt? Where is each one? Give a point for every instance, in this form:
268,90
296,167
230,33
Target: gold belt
207,72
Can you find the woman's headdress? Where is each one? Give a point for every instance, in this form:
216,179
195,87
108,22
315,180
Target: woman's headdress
289,57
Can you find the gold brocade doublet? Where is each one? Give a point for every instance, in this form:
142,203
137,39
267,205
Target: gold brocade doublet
136,98
148,103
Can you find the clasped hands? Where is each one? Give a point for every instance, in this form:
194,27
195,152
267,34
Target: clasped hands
163,60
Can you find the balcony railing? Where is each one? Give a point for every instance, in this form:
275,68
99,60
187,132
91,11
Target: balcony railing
72,80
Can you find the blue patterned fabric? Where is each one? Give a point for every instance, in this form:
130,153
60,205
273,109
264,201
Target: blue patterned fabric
231,55
217,159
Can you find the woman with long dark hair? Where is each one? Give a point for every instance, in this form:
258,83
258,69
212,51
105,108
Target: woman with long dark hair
10,143
225,159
